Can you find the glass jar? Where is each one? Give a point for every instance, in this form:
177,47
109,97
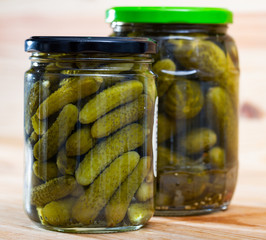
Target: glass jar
198,70
89,120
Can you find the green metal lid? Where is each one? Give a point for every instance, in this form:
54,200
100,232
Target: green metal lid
191,15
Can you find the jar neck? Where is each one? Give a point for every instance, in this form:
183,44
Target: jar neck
162,29
90,61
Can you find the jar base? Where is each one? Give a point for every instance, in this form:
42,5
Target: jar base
89,229
190,212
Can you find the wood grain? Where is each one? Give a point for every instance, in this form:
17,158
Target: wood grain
246,217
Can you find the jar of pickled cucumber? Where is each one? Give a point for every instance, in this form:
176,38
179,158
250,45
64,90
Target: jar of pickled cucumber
198,71
89,133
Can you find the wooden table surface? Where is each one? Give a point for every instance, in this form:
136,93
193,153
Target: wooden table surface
246,217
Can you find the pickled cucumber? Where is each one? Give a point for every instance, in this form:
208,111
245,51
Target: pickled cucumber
57,213
38,92
80,142
149,85
120,117
224,115
45,170
56,135
231,81
124,140
116,209
100,191
109,99
145,192
72,91
65,164
52,190
205,56
216,157
140,213
164,69
198,140
184,99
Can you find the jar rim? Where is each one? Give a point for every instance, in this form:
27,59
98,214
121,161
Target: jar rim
67,44
191,15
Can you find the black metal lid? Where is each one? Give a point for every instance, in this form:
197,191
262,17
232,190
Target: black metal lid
89,44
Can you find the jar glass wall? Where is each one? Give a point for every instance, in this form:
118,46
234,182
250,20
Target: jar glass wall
89,120
198,72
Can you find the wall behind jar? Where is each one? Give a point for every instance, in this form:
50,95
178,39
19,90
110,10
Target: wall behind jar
22,19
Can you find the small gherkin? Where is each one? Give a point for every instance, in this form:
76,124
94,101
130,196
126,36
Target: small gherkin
70,92
202,55
121,116
198,140
184,99
140,213
145,192
216,157
57,213
45,170
52,190
56,135
80,142
109,99
164,69
38,92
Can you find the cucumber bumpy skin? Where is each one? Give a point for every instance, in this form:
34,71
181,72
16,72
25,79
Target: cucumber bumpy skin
203,55
89,205
109,99
57,213
80,142
124,140
56,135
184,99
70,92
120,117
116,209
52,190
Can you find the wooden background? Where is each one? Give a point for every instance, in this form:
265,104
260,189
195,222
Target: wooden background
245,219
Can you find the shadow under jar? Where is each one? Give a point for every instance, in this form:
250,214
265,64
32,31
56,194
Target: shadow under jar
198,71
89,119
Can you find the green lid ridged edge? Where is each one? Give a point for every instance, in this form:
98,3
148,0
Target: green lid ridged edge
189,15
